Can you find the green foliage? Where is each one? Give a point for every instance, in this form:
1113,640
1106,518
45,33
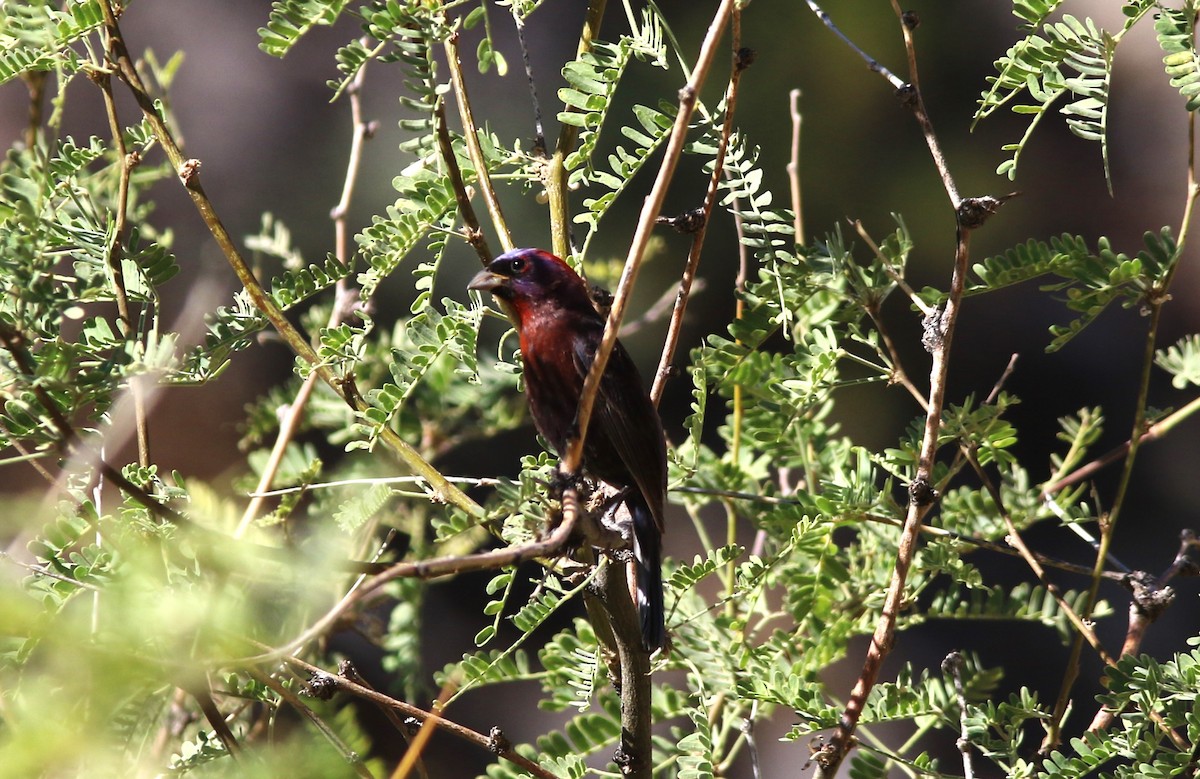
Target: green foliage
1039,66
1177,37
291,19
1182,361
1091,280
36,35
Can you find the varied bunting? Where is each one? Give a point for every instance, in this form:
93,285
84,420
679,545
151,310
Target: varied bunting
560,331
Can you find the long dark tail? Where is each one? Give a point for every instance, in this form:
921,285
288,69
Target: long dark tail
647,549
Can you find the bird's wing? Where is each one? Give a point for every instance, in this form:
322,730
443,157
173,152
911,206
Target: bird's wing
624,411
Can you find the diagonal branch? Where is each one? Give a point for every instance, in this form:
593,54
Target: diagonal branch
189,174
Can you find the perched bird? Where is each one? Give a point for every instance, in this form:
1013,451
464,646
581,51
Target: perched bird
560,331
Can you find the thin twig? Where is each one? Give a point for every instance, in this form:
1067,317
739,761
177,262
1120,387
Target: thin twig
650,210
216,719
952,666
474,233
412,756
471,137
896,276
793,169
349,755
1152,433
539,134
35,82
347,671
126,162
939,329
1082,628
492,744
896,82
433,568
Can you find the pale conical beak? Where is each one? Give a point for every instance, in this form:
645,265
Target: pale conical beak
487,281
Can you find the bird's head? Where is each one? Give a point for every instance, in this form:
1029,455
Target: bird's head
527,281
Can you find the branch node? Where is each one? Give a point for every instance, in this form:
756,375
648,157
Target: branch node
973,212
744,58
188,170
688,223
497,742
321,686
1149,598
921,492
933,329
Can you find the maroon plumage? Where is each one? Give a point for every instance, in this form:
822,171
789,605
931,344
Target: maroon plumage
560,332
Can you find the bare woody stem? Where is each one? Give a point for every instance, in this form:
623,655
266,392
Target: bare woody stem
793,168
304,709
549,546
188,171
474,233
471,137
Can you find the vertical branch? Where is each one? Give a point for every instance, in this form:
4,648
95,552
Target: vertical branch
793,168
970,213
539,134
1140,433
952,666
556,171
126,162
635,755
471,227
471,137
35,82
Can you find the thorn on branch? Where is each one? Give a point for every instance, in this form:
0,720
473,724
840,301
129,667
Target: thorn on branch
688,223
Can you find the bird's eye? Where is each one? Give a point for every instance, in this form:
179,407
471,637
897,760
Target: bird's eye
516,266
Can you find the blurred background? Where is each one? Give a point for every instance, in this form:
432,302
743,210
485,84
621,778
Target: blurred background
270,140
